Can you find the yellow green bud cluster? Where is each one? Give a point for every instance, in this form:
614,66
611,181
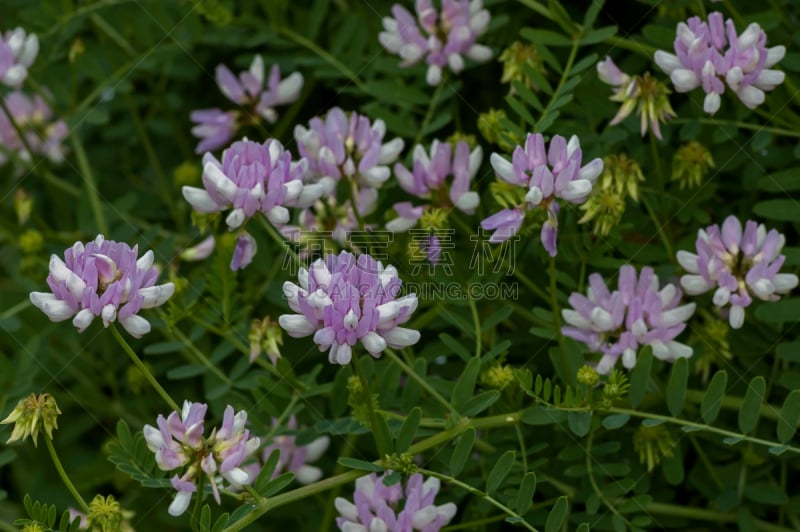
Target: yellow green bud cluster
691,164
32,414
265,336
498,376
515,57
652,444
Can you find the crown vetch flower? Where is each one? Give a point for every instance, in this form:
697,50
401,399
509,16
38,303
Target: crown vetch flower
102,278
351,147
35,118
618,322
32,414
548,175
214,127
739,264
442,38
252,177
375,506
18,50
343,300
178,441
296,458
711,55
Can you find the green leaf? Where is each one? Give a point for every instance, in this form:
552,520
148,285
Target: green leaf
186,371
640,376
478,403
275,486
789,417
784,210
555,521
751,406
785,310
546,37
499,471
205,518
408,430
455,346
539,415
580,66
465,384
598,35
462,451
615,421
591,14
789,351
712,399
533,101
525,495
579,423
783,181
676,387
520,110
765,493
361,465
560,16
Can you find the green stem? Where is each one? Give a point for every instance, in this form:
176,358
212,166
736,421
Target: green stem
633,46
429,113
64,476
200,356
593,482
566,374
702,514
735,403
564,75
325,56
537,7
89,184
194,520
139,364
373,418
533,287
422,382
476,321
740,125
659,228
475,491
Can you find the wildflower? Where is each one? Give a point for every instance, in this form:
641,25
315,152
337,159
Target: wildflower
376,506
547,176
441,38
643,92
739,264
515,58
637,313
498,376
337,219
216,128
652,443
18,50
200,251
587,375
622,175
342,300
102,278
32,414
347,147
252,177
105,515
605,207
265,336
710,55
296,458
691,163
492,131
178,441
244,251
34,118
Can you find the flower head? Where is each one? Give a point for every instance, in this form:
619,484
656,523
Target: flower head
643,92
32,414
442,38
739,264
616,323
34,118
547,175
516,58
265,336
711,55
377,506
296,458
216,128
102,278
18,50
343,300
252,177
341,146
178,441
691,163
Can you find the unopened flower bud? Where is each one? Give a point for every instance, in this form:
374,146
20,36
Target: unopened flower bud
31,242
31,415
588,375
265,336
691,164
515,58
105,514
23,206
498,376
187,173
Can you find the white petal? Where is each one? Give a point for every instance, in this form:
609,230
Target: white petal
346,508
503,168
180,503
667,62
667,294
695,284
688,261
763,288
678,350
307,474
602,318
376,175
237,476
400,224
534,195
784,282
774,55
83,319
736,317
434,75
629,358
57,310
374,343
223,184
712,102
684,80
350,320
769,79
575,319
400,337
677,315
576,189
591,170
468,202
423,517
390,151
136,325
235,219
278,215
721,296
39,298
310,194
145,262
155,296
479,53
751,96
316,448
289,89
296,325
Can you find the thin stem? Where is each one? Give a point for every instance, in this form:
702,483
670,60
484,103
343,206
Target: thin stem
568,378
139,364
665,239
706,462
593,482
89,184
330,59
422,382
523,449
475,491
429,113
533,287
630,44
373,418
194,520
741,125
702,514
565,74
64,476
476,321
21,134
200,356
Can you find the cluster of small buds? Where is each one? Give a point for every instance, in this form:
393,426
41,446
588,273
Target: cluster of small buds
739,264
427,180
215,128
102,278
343,300
441,38
652,443
711,55
296,458
265,337
690,164
375,506
43,135
515,59
636,314
18,50
32,414
644,93
606,205
548,175
179,442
